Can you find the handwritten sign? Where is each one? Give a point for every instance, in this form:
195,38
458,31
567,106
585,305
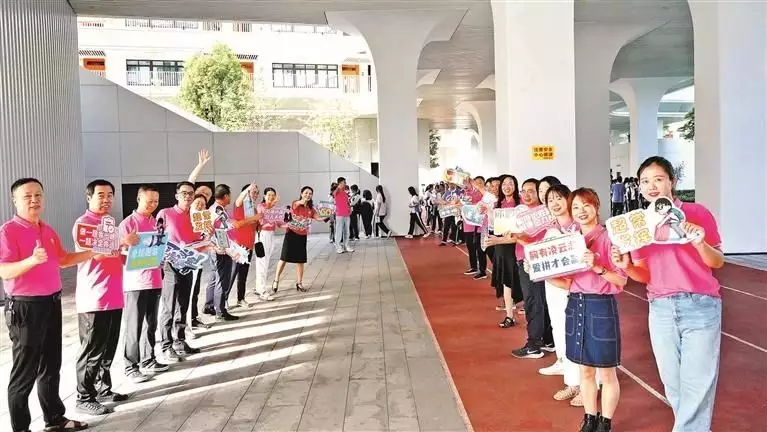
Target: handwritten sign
202,221
535,220
630,231
325,209
184,259
299,225
446,211
274,216
148,253
556,257
102,238
472,215
505,220
455,176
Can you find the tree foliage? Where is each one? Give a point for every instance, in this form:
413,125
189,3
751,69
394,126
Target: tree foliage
434,139
331,125
216,89
687,130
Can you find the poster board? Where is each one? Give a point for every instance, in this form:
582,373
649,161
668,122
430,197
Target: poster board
184,259
450,210
148,253
202,221
556,257
274,216
472,215
521,219
325,209
661,223
102,238
455,176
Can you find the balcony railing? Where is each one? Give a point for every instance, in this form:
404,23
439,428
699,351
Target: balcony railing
356,84
91,22
162,24
159,78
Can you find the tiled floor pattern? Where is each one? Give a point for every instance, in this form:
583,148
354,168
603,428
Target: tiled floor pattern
352,354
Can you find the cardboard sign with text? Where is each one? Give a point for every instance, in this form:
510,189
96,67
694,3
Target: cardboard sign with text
274,216
325,209
221,238
148,253
202,221
522,219
102,238
184,259
505,220
556,257
472,215
455,176
449,210
630,231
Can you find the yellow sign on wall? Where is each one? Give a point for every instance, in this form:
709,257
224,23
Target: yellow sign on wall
543,152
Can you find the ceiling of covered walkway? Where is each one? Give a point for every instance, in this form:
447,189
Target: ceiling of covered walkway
467,59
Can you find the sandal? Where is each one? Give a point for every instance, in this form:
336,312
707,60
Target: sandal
507,322
275,285
300,287
67,425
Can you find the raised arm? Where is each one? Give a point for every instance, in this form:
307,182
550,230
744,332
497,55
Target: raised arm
203,158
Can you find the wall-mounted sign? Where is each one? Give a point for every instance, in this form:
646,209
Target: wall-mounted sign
543,152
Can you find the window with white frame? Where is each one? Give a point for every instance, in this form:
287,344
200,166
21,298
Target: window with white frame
154,72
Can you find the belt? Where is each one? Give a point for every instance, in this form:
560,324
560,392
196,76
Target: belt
36,299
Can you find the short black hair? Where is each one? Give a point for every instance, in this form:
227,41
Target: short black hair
222,191
179,185
479,178
22,181
91,188
341,179
148,188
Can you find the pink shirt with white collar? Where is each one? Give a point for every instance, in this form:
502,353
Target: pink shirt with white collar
178,225
99,282
588,282
18,240
138,280
678,269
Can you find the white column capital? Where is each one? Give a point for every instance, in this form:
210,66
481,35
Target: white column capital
483,113
633,90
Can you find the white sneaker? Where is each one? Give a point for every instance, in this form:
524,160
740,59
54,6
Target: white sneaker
266,297
555,369
339,251
348,249
408,236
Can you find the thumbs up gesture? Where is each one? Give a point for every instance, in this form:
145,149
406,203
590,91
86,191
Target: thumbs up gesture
131,239
39,255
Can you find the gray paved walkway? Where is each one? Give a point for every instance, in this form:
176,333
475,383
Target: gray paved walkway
352,354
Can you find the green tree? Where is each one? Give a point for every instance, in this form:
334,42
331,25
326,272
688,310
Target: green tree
331,125
687,130
434,139
216,89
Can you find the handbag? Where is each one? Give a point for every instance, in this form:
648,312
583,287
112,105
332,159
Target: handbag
259,247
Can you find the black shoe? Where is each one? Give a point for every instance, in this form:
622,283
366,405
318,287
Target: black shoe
112,397
480,276
184,349
470,272
154,367
300,288
605,425
507,323
226,316
197,324
91,408
209,311
549,347
590,423
526,352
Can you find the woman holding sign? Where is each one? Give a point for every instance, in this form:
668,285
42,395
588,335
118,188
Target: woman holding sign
296,230
685,316
592,327
505,272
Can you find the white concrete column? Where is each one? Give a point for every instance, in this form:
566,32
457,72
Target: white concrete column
731,119
483,113
424,126
395,39
535,85
643,96
596,47
365,134
40,126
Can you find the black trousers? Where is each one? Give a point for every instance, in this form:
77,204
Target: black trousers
477,257
354,228
195,295
415,219
536,310
140,326
34,327
381,225
367,219
450,229
176,291
99,332
436,221
241,275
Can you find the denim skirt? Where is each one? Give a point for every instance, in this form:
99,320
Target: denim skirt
592,330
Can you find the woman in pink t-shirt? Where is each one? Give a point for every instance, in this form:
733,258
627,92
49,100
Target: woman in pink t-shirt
685,318
265,235
592,326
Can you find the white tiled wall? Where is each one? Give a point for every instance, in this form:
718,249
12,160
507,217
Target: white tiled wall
129,139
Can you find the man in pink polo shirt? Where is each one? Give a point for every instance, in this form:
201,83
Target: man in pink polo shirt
220,283
30,258
142,295
343,216
177,286
99,300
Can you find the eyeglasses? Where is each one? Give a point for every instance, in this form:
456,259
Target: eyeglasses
185,194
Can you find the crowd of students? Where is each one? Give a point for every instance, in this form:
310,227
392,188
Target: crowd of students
576,318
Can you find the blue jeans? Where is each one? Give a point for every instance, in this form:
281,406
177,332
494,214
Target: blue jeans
342,232
685,332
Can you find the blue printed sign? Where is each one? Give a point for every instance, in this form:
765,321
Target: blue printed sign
184,259
148,253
